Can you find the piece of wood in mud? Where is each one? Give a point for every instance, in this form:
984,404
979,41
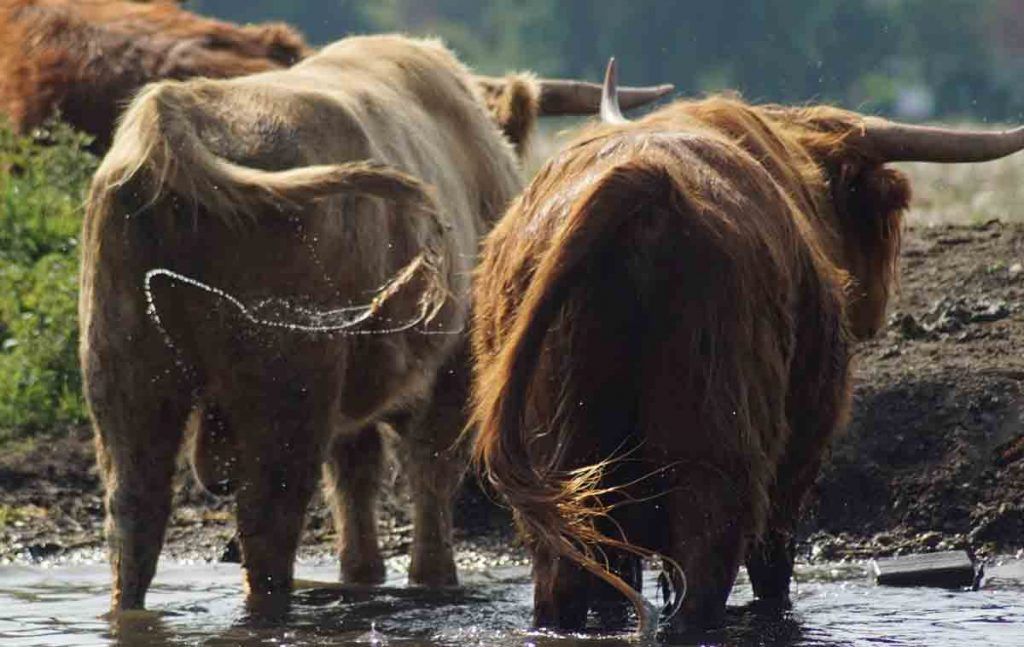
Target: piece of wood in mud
950,569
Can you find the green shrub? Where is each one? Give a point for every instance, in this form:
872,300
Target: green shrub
43,182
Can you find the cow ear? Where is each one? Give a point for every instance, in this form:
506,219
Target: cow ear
885,190
514,104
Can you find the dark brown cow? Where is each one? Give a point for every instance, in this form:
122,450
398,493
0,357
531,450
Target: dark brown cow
86,58
662,336
284,258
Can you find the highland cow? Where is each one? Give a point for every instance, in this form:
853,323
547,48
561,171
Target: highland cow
84,59
662,331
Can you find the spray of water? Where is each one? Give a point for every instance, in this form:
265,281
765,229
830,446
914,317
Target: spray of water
348,320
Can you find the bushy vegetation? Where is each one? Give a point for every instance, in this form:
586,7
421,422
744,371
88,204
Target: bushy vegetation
43,181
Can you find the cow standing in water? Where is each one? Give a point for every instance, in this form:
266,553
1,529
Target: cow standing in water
87,58
662,336
285,259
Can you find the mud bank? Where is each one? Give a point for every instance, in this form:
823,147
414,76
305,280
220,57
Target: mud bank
933,458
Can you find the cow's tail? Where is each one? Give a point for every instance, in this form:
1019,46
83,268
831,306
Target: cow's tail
561,512
158,136
159,164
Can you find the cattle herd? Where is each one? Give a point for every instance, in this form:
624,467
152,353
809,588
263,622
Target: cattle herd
645,351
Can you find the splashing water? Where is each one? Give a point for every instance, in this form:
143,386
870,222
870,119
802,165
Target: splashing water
374,637
344,320
201,604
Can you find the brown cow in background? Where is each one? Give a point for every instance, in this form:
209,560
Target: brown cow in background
86,58
662,335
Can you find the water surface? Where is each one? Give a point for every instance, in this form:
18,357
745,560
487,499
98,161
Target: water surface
201,604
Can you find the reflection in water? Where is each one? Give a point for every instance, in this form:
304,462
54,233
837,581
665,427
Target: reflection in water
201,604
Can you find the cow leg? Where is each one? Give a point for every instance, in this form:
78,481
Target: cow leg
138,435
352,473
770,562
706,539
278,462
818,403
433,469
434,460
770,565
610,606
561,591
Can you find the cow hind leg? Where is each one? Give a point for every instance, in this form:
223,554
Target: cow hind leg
770,565
137,442
819,402
561,592
352,474
433,470
277,470
706,540
434,460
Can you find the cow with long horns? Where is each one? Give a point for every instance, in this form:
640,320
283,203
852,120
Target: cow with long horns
284,259
663,322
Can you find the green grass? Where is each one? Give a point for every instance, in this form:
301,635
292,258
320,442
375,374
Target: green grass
43,182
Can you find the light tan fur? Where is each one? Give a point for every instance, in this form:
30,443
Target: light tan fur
363,176
515,103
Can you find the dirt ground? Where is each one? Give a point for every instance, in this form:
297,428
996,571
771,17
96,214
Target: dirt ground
933,458
934,455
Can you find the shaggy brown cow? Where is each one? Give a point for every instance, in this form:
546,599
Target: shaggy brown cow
285,259
662,329
86,58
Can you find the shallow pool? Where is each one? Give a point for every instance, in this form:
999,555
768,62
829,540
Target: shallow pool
201,604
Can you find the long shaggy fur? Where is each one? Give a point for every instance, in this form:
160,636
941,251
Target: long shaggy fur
682,288
85,58
159,138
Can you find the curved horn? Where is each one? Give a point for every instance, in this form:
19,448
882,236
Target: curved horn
610,112
559,97
896,142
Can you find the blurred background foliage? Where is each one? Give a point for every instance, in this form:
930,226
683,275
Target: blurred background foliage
911,58
43,181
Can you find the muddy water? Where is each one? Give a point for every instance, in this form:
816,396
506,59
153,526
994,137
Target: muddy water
200,604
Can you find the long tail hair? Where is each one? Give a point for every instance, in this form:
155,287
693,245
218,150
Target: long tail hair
561,514
158,153
158,135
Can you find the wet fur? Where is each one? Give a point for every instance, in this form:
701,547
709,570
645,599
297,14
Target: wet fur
366,174
662,332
